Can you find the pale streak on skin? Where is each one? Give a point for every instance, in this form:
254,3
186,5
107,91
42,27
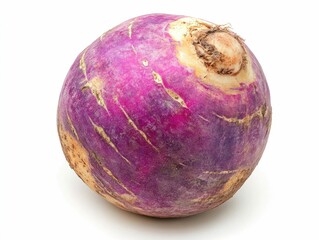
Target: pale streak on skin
261,112
102,36
107,139
130,29
205,119
222,172
158,79
145,63
117,180
72,127
96,86
82,65
131,122
134,50
112,197
120,198
108,171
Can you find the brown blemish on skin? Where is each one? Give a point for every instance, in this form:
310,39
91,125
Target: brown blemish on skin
78,158
96,86
217,55
176,97
261,113
107,139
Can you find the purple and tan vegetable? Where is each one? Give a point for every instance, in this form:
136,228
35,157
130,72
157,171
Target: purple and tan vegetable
165,115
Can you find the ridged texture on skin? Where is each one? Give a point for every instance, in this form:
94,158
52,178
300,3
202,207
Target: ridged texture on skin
142,127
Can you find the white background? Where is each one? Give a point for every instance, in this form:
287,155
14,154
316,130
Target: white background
42,198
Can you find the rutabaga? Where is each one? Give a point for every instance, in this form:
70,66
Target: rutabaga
165,115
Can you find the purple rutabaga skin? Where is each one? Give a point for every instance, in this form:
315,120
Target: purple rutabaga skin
161,118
